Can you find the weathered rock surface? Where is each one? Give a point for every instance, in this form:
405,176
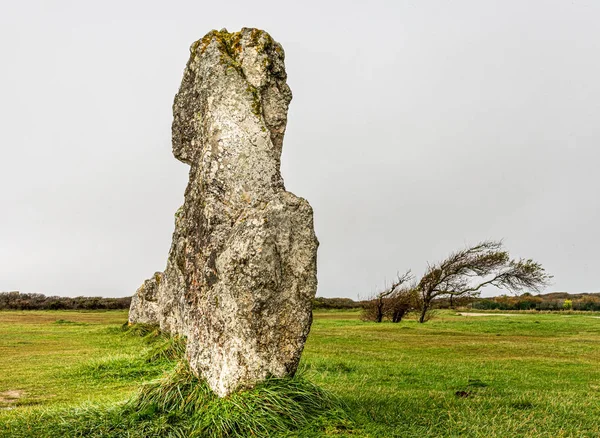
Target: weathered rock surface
144,304
241,272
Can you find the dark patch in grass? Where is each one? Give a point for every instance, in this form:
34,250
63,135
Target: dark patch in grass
67,322
332,367
476,383
471,388
521,405
28,402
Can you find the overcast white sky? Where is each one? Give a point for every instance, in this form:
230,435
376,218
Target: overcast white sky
416,127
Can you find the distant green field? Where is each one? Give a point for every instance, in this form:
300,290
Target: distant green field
533,375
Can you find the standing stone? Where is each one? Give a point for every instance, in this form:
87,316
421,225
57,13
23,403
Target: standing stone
241,272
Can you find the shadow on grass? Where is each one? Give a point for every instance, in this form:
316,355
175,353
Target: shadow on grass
67,322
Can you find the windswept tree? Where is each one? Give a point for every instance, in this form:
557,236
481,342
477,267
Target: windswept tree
376,308
464,273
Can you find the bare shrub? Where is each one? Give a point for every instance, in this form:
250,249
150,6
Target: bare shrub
379,306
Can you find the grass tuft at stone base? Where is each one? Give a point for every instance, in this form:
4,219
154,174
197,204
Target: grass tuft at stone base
277,405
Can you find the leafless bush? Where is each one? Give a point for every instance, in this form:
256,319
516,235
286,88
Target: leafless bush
392,303
401,302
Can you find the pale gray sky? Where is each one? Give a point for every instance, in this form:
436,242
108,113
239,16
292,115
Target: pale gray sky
416,127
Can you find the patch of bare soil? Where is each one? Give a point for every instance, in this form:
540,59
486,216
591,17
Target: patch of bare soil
9,397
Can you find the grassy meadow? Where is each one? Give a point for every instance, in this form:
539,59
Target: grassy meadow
523,375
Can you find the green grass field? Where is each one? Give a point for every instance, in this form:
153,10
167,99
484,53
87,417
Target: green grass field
534,375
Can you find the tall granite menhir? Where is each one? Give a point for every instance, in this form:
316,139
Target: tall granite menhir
241,272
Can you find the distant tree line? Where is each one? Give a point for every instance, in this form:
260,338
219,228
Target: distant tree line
335,303
22,301
552,301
